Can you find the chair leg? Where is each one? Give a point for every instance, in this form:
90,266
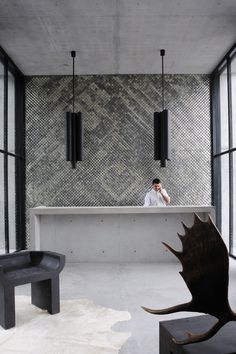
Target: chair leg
7,307
45,295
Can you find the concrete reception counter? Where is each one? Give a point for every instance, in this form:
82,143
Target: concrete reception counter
112,234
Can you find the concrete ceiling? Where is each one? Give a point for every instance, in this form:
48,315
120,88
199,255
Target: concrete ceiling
117,36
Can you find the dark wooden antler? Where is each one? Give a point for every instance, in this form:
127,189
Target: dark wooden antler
205,262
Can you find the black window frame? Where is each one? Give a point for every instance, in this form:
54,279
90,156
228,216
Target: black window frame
18,155
216,141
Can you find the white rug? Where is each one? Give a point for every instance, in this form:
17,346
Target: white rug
81,328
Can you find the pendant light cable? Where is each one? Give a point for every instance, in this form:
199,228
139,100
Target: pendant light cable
162,78
73,54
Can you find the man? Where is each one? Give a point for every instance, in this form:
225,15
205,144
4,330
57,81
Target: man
157,195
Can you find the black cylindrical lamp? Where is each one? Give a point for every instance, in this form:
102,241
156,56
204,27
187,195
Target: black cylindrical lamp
161,136
74,137
162,127
74,130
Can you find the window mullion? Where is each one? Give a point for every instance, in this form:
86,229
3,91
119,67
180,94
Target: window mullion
229,86
6,204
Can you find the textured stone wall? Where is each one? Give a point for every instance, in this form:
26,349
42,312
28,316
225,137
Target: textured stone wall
118,164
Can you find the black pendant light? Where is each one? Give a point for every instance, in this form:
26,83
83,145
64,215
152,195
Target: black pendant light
161,127
74,129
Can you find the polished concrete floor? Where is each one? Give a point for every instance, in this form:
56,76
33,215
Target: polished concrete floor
127,286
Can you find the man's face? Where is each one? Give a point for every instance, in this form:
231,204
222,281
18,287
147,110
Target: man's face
156,186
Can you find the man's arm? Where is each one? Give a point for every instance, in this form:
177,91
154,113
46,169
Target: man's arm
165,196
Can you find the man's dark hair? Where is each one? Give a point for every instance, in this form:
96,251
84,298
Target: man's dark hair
156,180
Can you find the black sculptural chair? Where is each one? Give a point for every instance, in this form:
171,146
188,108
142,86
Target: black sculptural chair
41,269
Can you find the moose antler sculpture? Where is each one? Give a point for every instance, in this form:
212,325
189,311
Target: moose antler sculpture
205,271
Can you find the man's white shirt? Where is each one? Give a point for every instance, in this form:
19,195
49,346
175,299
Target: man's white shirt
154,198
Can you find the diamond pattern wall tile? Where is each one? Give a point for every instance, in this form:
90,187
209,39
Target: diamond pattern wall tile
118,144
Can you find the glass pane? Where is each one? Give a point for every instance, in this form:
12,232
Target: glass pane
225,198
12,203
2,222
233,248
224,134
1,105
216,119
233,82
11,112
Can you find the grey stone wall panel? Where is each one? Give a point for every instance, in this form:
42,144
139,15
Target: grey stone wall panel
118,164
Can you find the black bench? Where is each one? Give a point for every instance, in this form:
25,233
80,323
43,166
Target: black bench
41,269
223,341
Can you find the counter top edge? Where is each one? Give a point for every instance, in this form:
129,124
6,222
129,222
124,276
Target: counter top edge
120,210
